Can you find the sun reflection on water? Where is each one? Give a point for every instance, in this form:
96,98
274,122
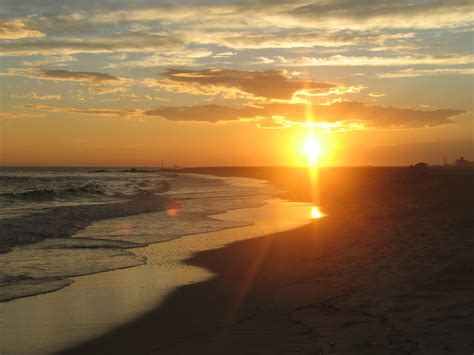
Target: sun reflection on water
316,212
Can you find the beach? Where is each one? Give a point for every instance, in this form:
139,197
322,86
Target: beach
390,273
110,271
236,177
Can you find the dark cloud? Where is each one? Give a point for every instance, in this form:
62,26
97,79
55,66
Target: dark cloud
90,78
372,116
95,112
204,113
270,84
345,113
351,115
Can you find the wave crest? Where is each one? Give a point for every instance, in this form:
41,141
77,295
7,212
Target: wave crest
87,190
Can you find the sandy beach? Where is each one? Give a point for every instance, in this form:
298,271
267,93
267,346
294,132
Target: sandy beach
96,302
387,274
236,177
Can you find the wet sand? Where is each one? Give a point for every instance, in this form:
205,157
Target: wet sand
94,304
388,271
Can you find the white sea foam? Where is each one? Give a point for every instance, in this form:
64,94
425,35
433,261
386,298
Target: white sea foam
87,230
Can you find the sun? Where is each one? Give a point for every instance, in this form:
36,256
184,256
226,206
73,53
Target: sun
312,148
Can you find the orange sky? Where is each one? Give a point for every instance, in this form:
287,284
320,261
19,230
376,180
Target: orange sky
195,85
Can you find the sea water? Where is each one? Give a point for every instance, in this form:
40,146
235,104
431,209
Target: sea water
44,212
62,223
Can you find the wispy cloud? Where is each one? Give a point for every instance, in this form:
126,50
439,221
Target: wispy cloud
131,42
12,29
329,14
56,60
385,13
411,73
33,95
86,111
303,38
17,115
89,78
106,91
182,57
342,60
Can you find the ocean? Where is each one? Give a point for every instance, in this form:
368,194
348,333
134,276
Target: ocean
57,223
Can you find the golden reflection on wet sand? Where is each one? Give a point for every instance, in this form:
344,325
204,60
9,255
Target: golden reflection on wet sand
316,212
96,303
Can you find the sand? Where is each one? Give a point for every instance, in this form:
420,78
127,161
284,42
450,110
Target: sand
94,304
388,271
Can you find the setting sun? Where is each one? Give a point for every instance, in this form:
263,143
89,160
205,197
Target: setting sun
307,147
313,149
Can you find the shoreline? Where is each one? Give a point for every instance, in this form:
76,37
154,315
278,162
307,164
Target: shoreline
71,236
386,274
302,301
133,291
391,274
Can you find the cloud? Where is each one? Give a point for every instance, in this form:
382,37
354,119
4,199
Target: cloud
377,94
224,54
89,78
270,84
156,98
171,33
343,115
106,91
273,123
150,27
371,116
95,112
35,96
412,73
130,42
303,38
183,57
358,115
12,29
155,13
342,60
56,60
289,13
204,113
17,115
385,13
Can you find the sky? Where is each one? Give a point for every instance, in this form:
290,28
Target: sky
215,83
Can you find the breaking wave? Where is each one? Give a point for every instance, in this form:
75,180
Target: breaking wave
42,194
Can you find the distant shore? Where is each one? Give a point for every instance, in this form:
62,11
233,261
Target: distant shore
389,270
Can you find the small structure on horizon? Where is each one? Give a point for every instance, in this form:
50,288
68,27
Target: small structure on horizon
421,165
418,170
463,162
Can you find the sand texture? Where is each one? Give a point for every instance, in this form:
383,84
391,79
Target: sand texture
388,271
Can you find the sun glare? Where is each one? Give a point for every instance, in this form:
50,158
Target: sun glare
313,149
316,212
